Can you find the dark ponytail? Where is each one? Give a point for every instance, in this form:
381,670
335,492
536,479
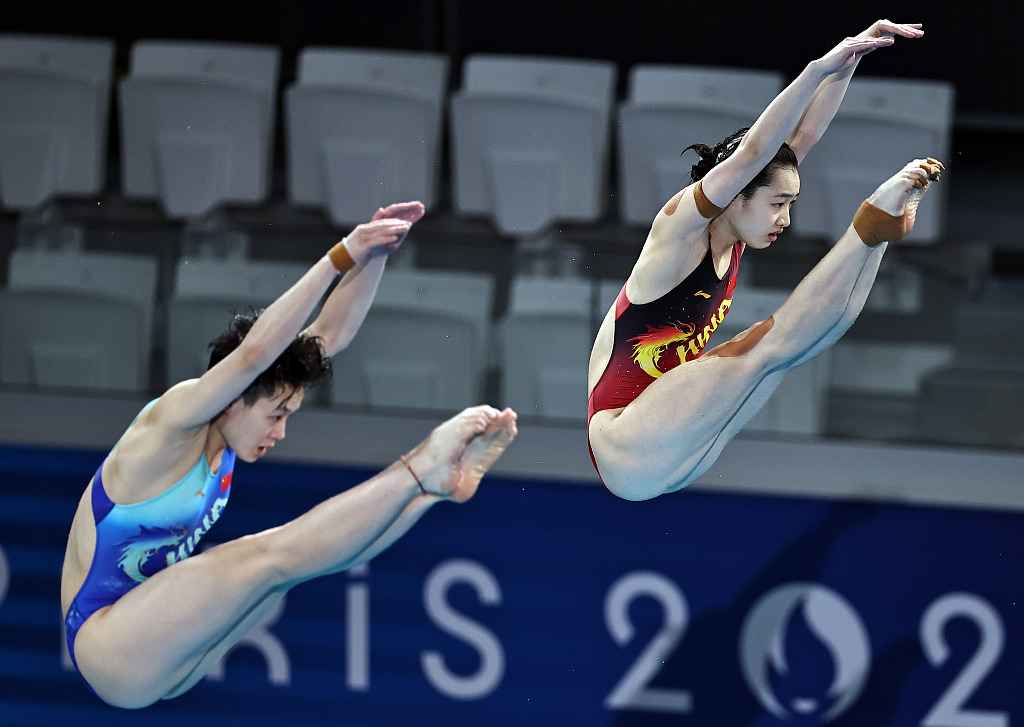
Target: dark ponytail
710,157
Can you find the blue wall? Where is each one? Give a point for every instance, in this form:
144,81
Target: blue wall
544,603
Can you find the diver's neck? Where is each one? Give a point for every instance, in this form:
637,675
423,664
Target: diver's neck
722,238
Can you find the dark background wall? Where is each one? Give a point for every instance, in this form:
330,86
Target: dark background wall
975,45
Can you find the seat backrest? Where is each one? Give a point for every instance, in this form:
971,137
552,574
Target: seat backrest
131,279
608,292
737,90
916,102
126,277
197,122
194,147
544,364
461,295
458,296
415,72
86,59
352,150
55,96
229,279
363,129
589,82
539,295
255,66
72,338
530,140
411,360
544,345
423,345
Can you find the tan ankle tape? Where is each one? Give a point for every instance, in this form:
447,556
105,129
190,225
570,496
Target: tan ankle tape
708,209
874,225
341,257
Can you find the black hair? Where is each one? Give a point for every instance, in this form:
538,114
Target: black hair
712,156
301,364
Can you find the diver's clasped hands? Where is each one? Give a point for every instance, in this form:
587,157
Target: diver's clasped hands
849,51
887,28
384,232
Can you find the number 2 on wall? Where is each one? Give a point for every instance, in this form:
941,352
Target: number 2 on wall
632,691
949,711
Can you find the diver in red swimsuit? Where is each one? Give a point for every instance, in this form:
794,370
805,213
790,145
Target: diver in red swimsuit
652,338
661,409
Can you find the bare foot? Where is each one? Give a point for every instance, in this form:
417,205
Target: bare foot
458,453
902,192
481,452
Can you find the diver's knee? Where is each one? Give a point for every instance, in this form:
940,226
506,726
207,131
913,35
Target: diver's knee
635,489
630,479
620,474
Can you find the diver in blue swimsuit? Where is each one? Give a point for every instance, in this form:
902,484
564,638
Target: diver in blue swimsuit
144,620
134,542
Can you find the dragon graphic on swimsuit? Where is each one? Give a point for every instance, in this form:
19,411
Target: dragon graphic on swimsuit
650,346
151,542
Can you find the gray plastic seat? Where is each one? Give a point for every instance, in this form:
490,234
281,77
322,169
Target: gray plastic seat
531,141
546,338
423,344
364,130
197,122
77,319
54,108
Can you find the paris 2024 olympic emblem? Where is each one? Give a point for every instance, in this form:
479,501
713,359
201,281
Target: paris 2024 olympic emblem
765,644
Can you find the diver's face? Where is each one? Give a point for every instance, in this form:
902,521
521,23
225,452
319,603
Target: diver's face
760,219
251,430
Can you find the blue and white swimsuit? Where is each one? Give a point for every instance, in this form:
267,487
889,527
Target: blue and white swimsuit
133,542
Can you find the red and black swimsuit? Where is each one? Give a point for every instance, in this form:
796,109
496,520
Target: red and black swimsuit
653,338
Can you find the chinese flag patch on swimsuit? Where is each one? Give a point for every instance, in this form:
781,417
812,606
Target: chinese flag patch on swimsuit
225,482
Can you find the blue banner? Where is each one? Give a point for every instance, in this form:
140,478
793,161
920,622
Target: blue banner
558,604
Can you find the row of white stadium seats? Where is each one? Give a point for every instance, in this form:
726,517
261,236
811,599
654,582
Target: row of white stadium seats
531,137
85,320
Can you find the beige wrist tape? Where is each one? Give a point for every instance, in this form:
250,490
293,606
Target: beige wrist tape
341,257
874,225
708,209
